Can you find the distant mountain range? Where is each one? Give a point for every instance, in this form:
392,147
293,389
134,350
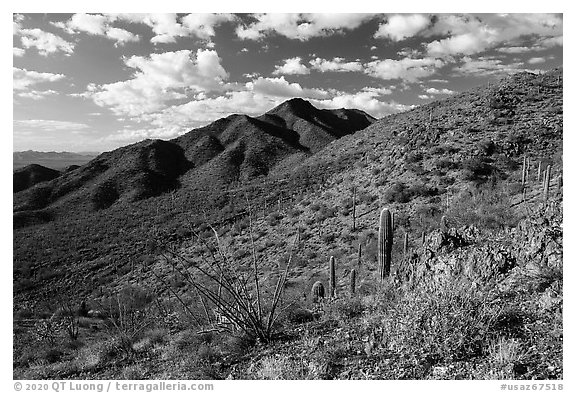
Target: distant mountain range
51,159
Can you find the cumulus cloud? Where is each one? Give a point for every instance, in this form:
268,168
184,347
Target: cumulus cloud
365,100
300,26
160,78
97,24
168,27
24,79
292,66
18,52
46,43
517,49
470,35
280,87
400,27
406,69
433,90
37,95
484,66
536,60
338,64
202,25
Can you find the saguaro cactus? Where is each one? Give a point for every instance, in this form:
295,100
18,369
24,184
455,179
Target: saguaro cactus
423,237
405,243
359,254
318,292
385,241
524,172
332,277
539,171
352,282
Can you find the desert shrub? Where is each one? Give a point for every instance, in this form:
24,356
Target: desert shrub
401,193
484,207
477,169
442,322
414,157
346,308
445,163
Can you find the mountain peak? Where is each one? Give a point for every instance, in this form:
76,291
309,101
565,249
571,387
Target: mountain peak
296,105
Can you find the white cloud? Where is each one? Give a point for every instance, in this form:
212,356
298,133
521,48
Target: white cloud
160,78
433,90
516,49
279,87
46,43
292,66
469,35
337,64
487,66
423,96
364,100
18,52
37,94
300,26
168,27
536,60
466,44
17,23
50,125
24,79
202,25
406,69
400,27
89,23
121,36
97,24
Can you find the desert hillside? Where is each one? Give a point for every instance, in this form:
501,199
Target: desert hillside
243,217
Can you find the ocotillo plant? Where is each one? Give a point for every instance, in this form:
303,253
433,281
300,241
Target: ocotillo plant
332,277
444,223
318,292
354,209
559,185
352,282
385,241
546,183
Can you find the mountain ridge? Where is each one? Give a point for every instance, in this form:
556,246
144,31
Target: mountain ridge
234,148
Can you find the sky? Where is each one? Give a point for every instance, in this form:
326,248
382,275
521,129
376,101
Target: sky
94,82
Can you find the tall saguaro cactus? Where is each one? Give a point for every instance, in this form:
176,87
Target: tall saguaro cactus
359,254
385,241
405,243
332,277
524,172
539,171
352,282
